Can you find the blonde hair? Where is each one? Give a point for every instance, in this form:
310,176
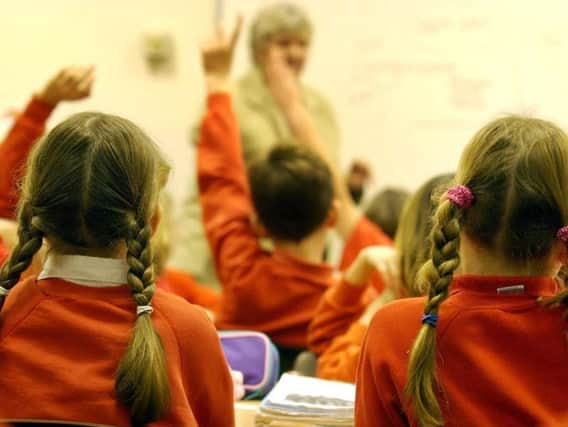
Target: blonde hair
280,18
92,183
411,239
517,170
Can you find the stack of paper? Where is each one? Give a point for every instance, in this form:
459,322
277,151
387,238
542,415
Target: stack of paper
304,401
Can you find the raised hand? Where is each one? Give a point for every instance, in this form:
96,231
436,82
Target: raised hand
217,56
370,259
69,84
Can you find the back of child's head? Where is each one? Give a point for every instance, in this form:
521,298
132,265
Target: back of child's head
385,209
292,191
513,201
91,186
412,238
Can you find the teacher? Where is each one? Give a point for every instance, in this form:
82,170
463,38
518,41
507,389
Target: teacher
284,27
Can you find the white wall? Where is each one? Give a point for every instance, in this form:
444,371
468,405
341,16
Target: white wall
411,81
40,36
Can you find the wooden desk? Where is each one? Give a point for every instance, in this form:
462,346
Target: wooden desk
245,411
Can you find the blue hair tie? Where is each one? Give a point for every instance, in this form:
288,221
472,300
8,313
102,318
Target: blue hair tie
430,319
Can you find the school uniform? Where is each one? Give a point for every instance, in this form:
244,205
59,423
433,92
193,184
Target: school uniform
502,359
184,285
14,151
270,292
4,254
335,333
63,335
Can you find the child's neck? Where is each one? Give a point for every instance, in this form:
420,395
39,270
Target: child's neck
118,251
310,249
480,261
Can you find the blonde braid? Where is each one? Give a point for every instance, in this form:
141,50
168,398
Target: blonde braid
438,274
30,239
142,379
139,258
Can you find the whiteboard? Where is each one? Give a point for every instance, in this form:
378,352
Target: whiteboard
412,81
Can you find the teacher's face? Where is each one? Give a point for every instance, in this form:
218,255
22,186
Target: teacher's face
294,50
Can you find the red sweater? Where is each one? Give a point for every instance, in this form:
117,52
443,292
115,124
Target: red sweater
335,334
184,285
502,359
273,293
14,151
60,345
365,233
3,252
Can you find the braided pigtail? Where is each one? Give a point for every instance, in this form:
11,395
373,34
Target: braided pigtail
437,273
30,239
142,378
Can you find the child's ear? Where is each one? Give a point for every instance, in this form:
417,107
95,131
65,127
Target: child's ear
333,214
257,227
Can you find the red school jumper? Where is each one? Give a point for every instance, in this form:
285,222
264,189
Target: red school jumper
14,150
273,293
502,358
60,344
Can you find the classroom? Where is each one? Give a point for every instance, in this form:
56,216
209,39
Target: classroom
279,213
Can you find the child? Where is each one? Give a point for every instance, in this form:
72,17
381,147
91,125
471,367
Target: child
340,323
385,207
293,197
91,340
490,350
71,84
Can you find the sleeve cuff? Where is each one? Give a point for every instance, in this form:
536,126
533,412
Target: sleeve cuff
37,110
219,98
345,294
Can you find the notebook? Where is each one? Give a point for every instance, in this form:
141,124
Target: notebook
307,401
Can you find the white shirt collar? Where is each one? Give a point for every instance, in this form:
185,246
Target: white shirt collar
85,270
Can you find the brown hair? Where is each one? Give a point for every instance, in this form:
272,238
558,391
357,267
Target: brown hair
516,169
412,238
92,183
292,191
385,209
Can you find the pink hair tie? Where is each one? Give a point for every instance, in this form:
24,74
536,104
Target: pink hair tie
461,196
562,234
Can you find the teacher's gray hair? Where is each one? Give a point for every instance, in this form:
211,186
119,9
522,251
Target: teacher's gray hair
277,19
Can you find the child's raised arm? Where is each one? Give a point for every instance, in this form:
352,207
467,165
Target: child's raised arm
223,188
69,84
